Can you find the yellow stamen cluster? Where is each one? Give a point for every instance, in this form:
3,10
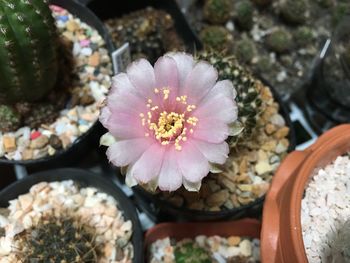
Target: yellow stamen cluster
170,125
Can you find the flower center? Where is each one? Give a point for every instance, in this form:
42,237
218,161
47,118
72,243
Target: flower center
169,127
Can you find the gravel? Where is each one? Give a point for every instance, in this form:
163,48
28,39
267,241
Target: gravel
325,209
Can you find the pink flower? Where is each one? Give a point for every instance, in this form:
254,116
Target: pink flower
169,122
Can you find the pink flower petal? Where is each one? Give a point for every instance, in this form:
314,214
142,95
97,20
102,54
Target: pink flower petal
200,81
118,102
121,85
166,75
141,75
211,130
218,107
126,126
214,152
185,64
170,177
104,117
223,88
192,163
124,152
147,167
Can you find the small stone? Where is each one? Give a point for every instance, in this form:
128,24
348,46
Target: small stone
263,167
243,166
9,143
51,151
94,60
218,198
260,189
65,139
246,248
27,154
197,205
72,25
270,128
244,200
278,120
86,99
176,200
281,147
55,142
245,187
225,182
39,142
269,146
233,240
281,133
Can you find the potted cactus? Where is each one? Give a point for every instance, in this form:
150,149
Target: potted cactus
55,71
68,215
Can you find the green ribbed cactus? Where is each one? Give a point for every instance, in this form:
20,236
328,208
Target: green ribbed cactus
28,50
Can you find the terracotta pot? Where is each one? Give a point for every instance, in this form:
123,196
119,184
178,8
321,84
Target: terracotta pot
281,237
244,227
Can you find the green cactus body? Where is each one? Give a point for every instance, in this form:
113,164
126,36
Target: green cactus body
61,239
28,50
189,252
248,92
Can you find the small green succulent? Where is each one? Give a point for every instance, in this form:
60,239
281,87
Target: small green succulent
294,11
10,119
244,14
303,36
245,49
190,252
279,41
217,38
217,11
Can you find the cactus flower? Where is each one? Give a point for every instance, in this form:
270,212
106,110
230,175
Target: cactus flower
169,122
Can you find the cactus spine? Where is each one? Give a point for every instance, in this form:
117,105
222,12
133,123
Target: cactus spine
28,50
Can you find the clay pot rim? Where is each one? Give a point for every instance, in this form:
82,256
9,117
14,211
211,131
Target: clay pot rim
316,154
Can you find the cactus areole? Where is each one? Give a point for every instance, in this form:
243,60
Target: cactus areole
28,50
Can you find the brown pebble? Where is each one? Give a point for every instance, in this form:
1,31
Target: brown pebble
176,200
27,154
243,166
233,240
86,99
94,59
197,205
218,198
39,142
65,140
270,128
269,146
281,133
55,142
9,143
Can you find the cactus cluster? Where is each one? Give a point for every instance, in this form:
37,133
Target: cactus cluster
248,92
244,14
190,252
279,41
35,62
59,239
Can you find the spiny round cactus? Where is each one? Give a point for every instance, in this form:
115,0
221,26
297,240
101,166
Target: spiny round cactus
189,252
279,41
217,38
244,14
217,11
59,239
245,49
10,119
28,50
294,11
303,36
248,92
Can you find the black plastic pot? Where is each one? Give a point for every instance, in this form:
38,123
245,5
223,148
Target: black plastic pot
161,210
106,9
89,139
84,179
